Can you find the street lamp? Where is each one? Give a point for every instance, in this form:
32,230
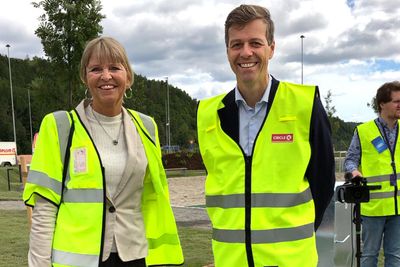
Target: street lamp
12,97
30,116
168,125
302,37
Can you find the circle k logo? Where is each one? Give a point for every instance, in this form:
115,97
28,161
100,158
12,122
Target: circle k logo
282,138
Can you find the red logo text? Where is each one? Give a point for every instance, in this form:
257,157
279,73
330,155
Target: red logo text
282,138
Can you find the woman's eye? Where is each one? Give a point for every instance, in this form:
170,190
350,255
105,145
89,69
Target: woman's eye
96,70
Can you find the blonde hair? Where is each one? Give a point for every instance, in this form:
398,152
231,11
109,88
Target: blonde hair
105,49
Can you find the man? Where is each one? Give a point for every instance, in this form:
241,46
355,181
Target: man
267,149
373,154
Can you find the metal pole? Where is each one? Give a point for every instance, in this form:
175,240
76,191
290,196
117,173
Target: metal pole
30,116
168,119
12,97
302,37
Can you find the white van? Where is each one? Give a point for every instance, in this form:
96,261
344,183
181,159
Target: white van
8,154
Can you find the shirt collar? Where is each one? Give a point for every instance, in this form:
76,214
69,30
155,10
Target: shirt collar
264,99
383,122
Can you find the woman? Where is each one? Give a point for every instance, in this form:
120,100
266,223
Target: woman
96,180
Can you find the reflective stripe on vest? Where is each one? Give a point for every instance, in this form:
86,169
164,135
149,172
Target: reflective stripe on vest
63,127
83,196
44,180
74,259
148,124
382,195
259,200
265,236
379,178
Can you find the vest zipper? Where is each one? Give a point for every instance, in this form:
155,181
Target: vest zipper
247,196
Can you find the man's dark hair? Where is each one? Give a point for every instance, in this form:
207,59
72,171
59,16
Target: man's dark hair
384,93
244,14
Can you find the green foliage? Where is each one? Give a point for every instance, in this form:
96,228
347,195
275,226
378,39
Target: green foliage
64,29
330,109
342,132
373,105
49,92
149,97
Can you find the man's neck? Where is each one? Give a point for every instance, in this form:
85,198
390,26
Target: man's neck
252,93
391,122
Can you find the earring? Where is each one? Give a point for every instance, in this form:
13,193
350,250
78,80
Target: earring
87,95
130,93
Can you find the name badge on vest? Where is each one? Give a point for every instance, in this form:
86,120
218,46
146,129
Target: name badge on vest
80,160
379,144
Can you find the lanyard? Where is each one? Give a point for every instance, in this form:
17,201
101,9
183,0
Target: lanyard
392,150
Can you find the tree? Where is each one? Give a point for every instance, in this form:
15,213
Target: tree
64,29
330,109
373,105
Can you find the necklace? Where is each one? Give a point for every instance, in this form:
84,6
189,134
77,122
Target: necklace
114,141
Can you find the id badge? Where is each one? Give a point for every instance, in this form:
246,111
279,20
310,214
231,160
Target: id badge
379,144
80,160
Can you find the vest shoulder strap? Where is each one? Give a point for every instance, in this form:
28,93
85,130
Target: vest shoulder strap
65,130
147,122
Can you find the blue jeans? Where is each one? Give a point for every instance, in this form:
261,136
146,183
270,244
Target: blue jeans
373,230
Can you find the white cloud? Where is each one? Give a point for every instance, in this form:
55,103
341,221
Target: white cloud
351,51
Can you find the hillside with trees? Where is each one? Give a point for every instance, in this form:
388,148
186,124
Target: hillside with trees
49,92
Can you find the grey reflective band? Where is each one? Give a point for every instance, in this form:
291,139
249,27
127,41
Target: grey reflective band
74,259
83,195
380,178
259,200
63,126
265,236
149,125
42,179
382,195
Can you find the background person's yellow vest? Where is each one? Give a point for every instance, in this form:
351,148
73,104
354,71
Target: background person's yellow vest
261,207
376,168
78,235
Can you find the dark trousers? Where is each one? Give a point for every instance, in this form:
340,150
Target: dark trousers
115,261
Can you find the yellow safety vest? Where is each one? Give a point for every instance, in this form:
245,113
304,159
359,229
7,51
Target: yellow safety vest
261,207
376,168
80,196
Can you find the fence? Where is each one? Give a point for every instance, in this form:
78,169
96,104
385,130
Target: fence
339,160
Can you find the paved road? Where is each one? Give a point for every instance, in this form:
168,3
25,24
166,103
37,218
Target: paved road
12,205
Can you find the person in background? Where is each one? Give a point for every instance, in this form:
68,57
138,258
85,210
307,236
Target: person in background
96,181
373,154
267,149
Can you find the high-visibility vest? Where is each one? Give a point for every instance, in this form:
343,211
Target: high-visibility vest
376,168
79,193
260,206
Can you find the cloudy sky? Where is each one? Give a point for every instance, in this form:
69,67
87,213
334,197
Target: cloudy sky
350,47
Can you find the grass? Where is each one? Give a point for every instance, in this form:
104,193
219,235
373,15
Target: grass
14,238
16,186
